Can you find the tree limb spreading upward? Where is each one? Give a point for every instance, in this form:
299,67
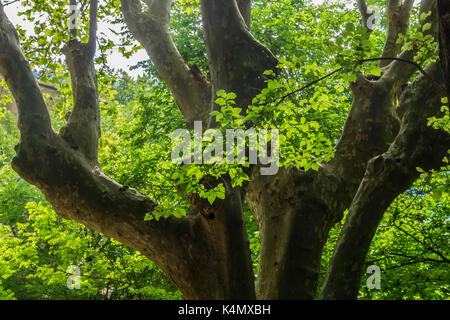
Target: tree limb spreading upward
398,15
190,88
444,39
397,73
33,113
83,128
386,177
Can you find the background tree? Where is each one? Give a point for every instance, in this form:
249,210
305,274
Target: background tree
386,137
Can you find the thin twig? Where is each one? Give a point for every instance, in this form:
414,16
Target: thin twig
304,87
354,67
421,260
445,259
11,2
404,61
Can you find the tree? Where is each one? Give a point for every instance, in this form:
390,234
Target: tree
386,137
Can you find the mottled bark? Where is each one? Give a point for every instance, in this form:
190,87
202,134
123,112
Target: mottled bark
245,8
444,39
386,177
191,90
397,15
294,222
235,56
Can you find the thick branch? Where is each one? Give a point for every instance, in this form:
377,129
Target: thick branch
444,39
82,131
15,69
312,202
92,27
245,8
398,15
372,123
75,188
80,192
191,90
387,176
371,126
399,74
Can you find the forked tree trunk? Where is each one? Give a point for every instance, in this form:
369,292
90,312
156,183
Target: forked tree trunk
207,255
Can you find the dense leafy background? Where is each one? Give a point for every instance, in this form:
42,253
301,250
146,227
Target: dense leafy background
138,116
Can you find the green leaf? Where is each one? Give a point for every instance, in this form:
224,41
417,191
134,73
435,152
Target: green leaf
426,26
231,96
375,70
211,197
221,101
222,93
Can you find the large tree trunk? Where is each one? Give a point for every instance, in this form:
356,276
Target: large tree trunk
444,39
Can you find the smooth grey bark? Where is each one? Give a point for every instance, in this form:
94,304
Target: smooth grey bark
235,56
397,14
444,39
191,90
386,177
245,8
